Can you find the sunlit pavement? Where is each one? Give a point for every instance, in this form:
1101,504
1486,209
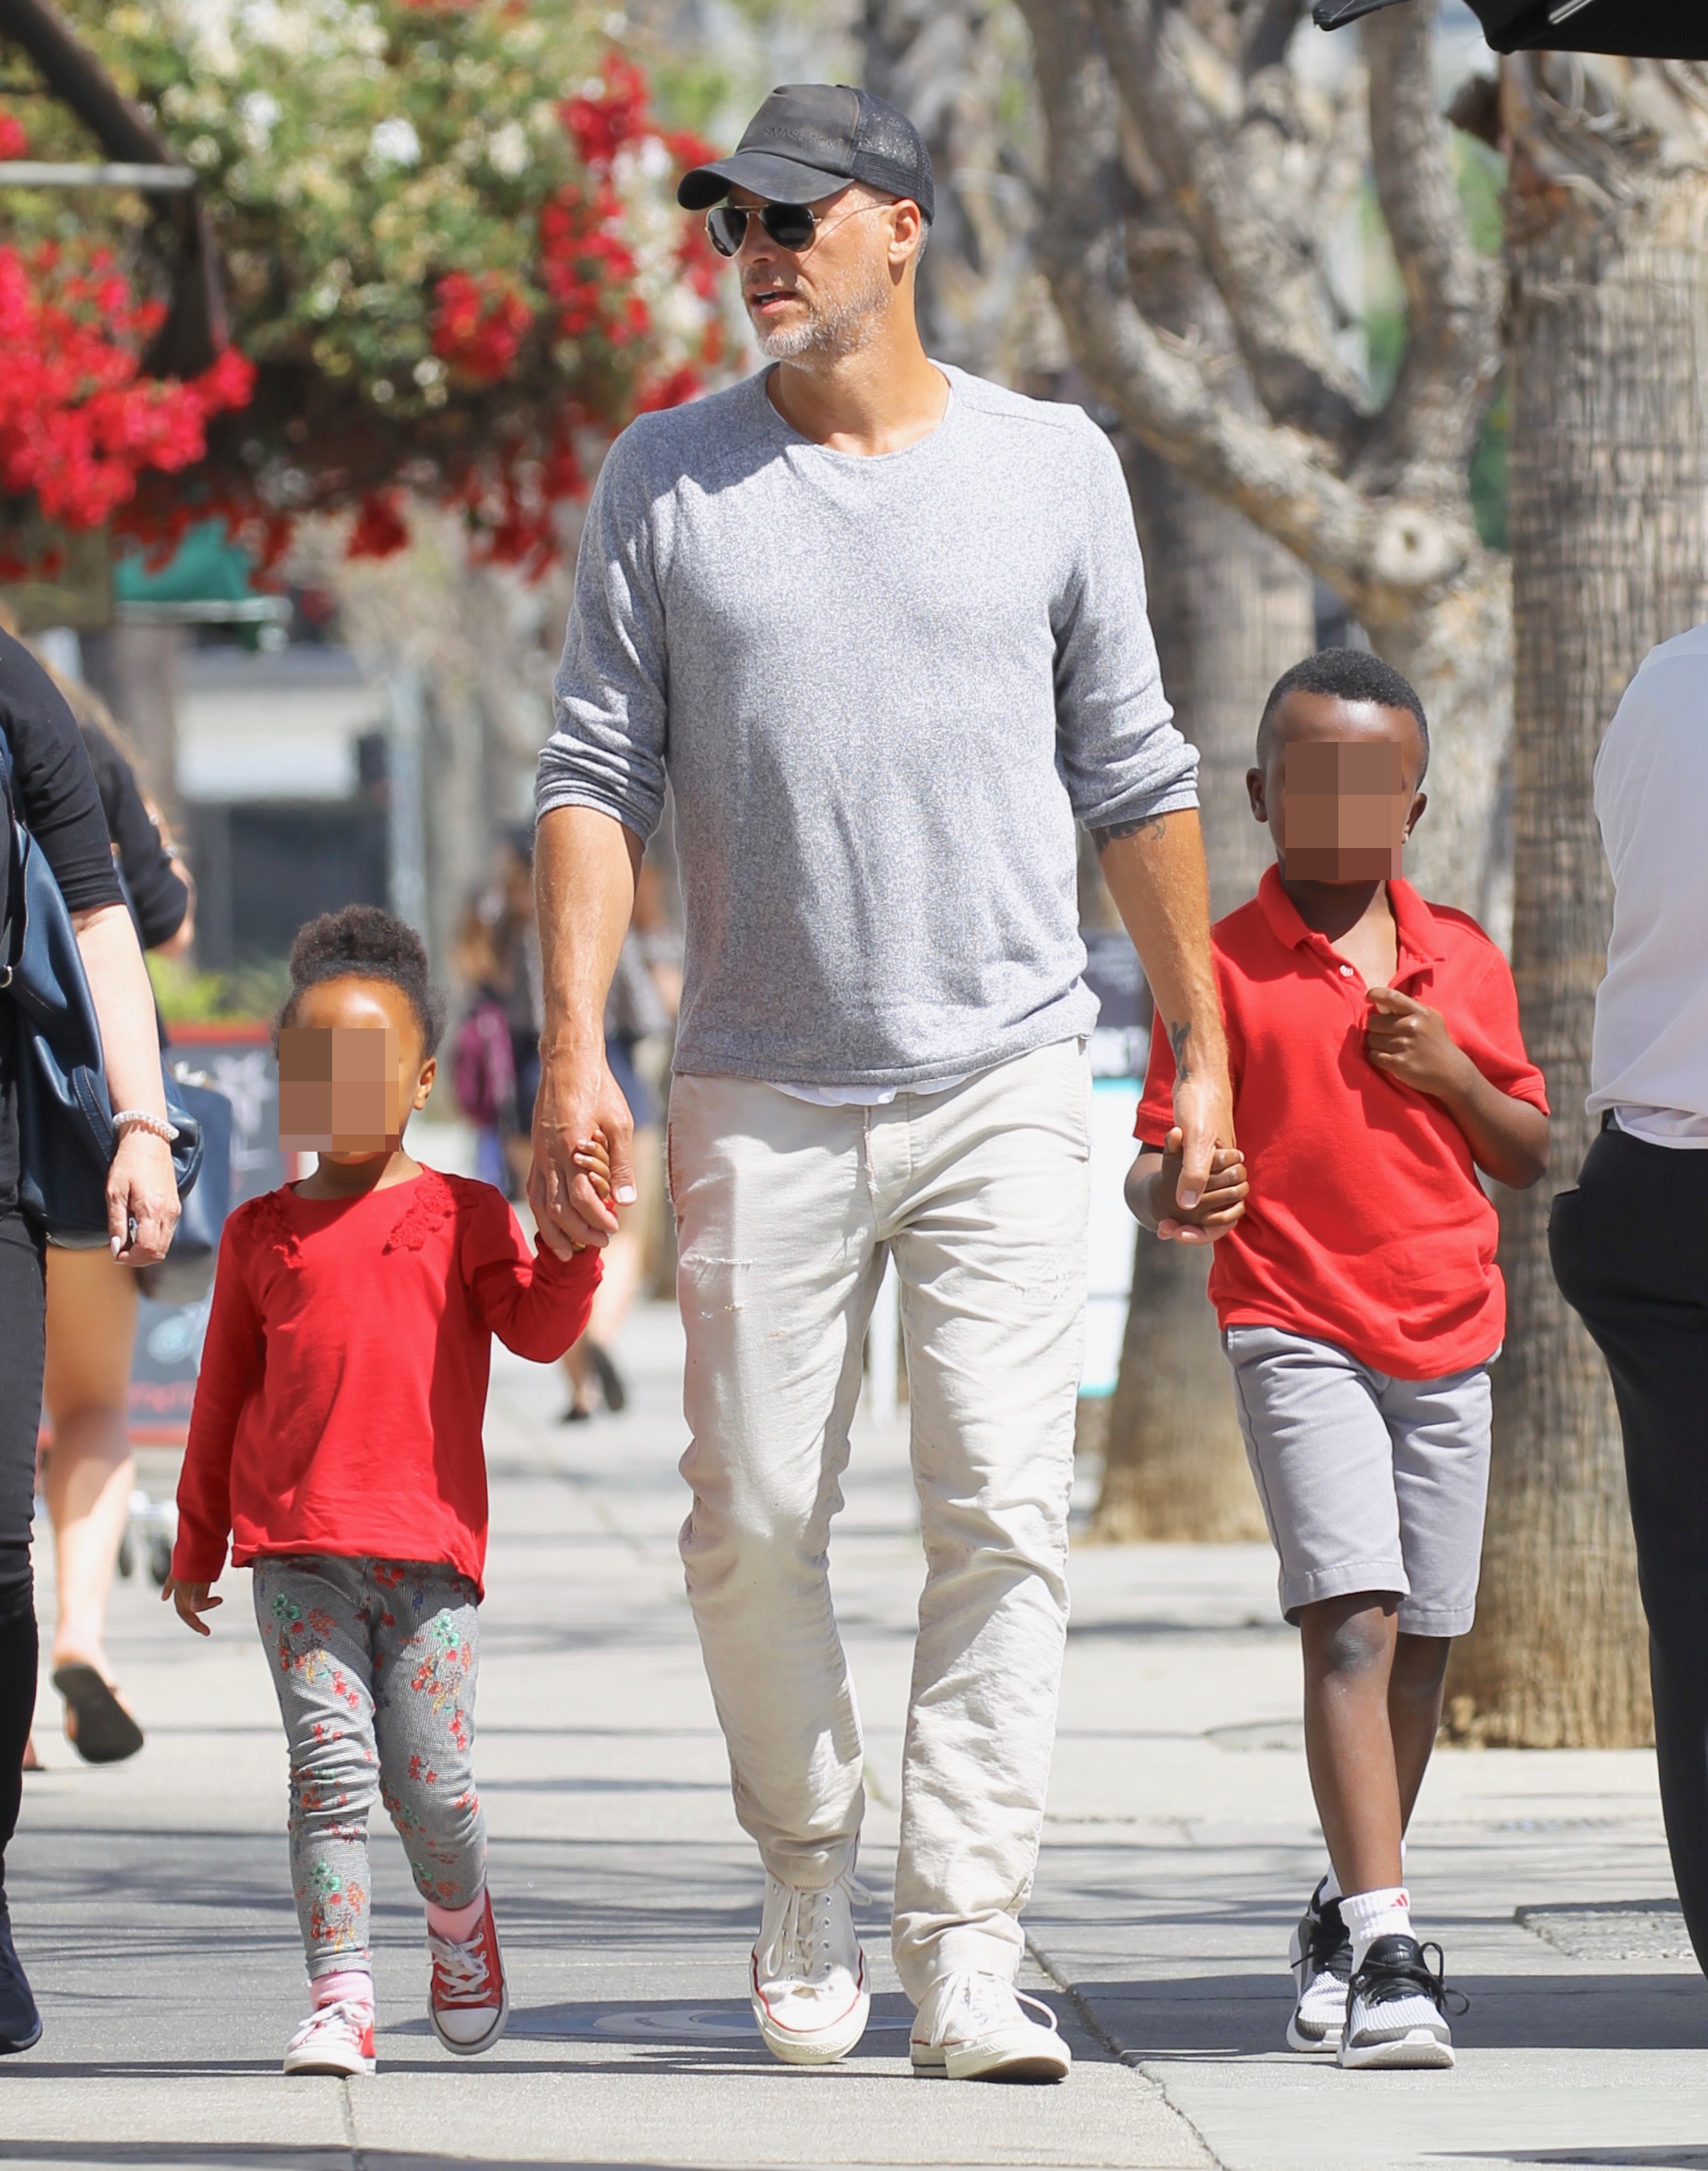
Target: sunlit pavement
153,1907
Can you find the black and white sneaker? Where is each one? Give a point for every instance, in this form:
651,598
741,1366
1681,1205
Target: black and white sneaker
1321,1957
1395,2008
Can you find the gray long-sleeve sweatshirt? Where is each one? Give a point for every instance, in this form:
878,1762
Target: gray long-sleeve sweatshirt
883,690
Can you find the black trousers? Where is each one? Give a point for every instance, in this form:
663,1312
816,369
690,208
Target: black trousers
1629,1248
23,1334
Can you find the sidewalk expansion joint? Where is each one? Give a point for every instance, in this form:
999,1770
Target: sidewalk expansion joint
358,2161
1134,2061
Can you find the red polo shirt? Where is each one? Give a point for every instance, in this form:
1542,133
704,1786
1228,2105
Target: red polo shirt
1366,1225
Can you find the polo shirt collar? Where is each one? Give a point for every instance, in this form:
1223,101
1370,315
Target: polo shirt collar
1418,928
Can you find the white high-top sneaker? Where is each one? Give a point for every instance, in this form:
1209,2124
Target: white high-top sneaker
972,2028
809,1975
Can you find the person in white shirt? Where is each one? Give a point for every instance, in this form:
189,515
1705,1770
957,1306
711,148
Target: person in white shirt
1629,1245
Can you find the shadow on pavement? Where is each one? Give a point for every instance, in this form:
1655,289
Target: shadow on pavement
1662,2159
282,2156
1233,2016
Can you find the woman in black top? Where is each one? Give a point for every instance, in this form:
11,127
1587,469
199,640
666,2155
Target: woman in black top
56,797
89,1471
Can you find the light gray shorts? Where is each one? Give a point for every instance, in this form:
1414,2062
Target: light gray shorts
1368,1483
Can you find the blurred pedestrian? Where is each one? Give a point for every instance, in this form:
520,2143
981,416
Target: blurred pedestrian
56,797
88,1471
483,1066
335,1445
1630,1243
881,625
639,1012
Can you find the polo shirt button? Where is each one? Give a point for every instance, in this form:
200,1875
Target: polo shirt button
1346,972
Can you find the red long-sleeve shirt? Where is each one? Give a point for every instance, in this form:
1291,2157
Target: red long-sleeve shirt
343,1380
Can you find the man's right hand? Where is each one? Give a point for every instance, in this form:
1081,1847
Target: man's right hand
578,1099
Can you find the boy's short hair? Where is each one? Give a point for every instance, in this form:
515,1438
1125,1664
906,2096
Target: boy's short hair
1344,674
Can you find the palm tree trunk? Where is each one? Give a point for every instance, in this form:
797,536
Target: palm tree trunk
1231,610
1609,529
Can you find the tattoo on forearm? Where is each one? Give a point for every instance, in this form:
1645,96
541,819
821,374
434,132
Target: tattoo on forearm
1146,825
1179,1036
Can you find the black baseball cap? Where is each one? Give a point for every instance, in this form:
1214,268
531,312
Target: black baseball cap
810,139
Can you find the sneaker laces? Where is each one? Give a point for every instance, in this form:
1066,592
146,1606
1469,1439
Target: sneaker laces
342,2017
1389,1977
462,1974
802,1950
985,2000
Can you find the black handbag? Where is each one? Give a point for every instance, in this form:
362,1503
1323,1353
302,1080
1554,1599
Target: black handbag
185,1274
65,1116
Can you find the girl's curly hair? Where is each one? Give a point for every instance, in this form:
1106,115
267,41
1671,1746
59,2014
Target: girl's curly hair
365,942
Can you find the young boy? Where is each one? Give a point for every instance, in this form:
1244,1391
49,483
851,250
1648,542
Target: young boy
1377,1065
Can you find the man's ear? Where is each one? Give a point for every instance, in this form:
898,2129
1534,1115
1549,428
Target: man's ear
424,1084
1255,793
1419,807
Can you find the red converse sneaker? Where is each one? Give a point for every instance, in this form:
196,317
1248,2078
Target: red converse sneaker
468,2003
335,2039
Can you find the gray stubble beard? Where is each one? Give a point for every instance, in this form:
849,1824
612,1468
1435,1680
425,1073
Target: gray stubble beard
830,333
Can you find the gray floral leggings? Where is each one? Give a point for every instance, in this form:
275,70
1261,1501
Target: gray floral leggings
374,1663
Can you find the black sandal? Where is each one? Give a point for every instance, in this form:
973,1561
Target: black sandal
97,1726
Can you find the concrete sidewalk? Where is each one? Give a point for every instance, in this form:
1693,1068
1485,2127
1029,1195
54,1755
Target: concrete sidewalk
153,1907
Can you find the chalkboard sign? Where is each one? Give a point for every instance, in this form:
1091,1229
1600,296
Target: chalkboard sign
237,1059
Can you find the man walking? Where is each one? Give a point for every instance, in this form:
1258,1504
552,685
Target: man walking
882,625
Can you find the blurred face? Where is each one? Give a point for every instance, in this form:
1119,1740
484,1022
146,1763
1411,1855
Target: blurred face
350,1071
1339,788
829,299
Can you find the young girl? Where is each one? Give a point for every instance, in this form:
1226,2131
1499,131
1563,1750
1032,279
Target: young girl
336,1439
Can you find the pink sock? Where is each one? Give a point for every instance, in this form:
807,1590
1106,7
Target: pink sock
353,1985
459,1924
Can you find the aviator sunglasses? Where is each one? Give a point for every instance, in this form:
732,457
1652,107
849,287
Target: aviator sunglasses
790,226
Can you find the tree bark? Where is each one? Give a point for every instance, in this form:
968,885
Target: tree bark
1608,245
1231,611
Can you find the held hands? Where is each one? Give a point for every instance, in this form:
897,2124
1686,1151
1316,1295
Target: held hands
579,1102
1219,1205
1407,1040
190,1599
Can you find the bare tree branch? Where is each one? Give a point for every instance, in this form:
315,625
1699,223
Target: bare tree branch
1452,295
1388,558
1271,35
1229,176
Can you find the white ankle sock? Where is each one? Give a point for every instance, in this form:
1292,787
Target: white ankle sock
1368,1916
1332,1883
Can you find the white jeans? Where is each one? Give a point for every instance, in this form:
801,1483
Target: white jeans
784,1213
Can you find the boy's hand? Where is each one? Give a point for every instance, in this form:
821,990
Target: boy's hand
190,1599
1406,1039
1220,1206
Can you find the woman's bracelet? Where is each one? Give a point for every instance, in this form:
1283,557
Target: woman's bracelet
139,1119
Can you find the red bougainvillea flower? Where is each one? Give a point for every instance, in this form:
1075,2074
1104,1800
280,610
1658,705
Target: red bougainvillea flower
380,529
13,142
79,420
480,321
603,120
